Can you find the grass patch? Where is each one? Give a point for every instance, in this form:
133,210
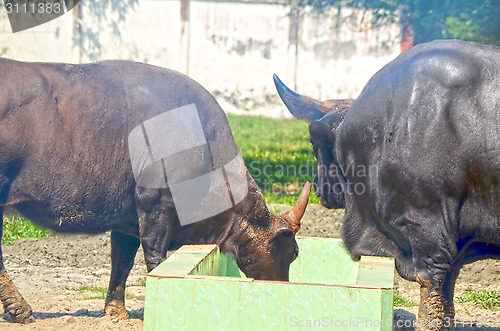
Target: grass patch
16,227
277,153
98,292
482,299
402,301
140,282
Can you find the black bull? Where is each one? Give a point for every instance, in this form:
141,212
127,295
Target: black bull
64,164
415,161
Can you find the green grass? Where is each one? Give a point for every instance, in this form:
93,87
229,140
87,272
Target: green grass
140,282
277,153
402,301
482,299
95,292
16,227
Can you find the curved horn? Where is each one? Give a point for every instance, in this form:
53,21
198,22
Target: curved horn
294,216
302,107
306,108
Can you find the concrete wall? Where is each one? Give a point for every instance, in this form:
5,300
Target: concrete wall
230,48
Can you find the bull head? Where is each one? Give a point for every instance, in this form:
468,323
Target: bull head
270,256
323,117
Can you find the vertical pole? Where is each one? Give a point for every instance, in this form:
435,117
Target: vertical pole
297,44
186,24
77,29
188,46
294,39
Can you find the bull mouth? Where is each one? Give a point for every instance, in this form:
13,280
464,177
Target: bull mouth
335,201
324,202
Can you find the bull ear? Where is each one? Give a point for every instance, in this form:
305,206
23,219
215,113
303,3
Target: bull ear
321,132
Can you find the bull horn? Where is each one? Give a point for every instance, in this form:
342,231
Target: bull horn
302,107
306,108
294,216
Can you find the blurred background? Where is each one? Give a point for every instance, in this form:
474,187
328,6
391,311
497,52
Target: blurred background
322,48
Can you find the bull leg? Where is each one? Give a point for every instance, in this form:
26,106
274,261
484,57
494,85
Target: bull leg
12,300
436,311
431,311
434,253
123,250
13,303
448,292
156,230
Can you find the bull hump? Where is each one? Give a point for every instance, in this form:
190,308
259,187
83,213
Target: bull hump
450,68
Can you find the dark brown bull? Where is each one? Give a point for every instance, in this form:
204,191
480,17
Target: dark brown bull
415,161
64,164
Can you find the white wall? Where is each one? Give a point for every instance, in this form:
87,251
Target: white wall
225,46
47,42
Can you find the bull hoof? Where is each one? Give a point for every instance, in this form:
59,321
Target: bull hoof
20,313
116,309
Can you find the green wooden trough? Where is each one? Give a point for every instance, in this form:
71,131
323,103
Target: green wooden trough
200,288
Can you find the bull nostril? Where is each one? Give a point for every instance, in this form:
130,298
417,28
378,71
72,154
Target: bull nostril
356,255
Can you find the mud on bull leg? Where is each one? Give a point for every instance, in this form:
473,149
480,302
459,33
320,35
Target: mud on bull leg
436,308
123,250
12,300
448,292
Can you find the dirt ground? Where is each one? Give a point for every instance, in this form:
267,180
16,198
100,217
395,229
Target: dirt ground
52,271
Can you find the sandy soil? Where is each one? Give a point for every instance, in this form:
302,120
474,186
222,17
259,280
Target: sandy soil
50,273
